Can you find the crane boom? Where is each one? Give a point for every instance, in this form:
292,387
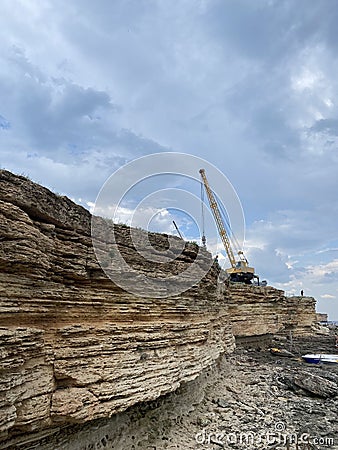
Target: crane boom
218,219
239,270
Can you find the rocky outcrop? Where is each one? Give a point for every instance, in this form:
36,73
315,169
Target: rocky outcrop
75,346
236,403
322,317
263,310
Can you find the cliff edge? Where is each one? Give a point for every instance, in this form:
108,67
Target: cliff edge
76,347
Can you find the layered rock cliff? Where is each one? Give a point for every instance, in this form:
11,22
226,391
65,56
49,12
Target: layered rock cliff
75,346
257,311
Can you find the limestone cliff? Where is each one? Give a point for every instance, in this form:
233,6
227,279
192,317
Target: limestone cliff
75,346
265,310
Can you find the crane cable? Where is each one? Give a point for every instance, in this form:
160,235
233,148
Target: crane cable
232,236
203,219
226,219
224,216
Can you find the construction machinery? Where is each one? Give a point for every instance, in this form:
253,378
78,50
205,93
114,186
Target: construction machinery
239,270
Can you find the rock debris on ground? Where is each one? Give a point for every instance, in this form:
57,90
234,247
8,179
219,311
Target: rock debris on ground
262,401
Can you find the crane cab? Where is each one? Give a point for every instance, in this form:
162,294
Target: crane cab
241,273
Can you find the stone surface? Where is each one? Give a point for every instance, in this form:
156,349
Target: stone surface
322,317
243,402
77,350
315,385
74,346
265,310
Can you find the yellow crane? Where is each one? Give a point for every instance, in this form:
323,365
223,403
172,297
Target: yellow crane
239,270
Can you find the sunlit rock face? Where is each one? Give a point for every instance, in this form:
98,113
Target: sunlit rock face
265,310
77,348
74,345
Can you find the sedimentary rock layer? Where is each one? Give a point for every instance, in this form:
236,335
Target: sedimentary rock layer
74,345
265,310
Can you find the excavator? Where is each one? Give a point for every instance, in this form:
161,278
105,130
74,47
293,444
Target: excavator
239,272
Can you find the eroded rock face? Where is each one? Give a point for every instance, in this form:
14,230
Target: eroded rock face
75,346
265,310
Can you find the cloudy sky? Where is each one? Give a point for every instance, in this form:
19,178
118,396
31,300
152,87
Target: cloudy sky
251,86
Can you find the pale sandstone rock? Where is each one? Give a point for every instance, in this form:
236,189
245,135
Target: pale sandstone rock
265,310
75,346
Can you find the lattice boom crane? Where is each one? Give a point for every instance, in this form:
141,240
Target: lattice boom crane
239,270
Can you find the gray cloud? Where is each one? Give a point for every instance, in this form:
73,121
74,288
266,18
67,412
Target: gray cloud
329,126
51,112
4,124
